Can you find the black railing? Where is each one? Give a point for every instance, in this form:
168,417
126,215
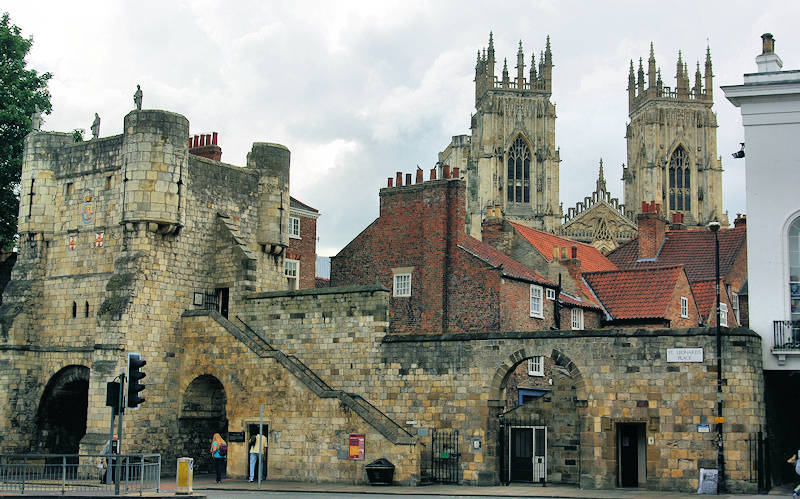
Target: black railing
441,464
786,335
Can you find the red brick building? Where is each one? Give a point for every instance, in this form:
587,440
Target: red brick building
301,256
658,246
442,280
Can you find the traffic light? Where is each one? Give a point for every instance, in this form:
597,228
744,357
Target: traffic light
135,364
112,396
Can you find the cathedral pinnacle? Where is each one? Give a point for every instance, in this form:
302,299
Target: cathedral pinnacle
651,68
601,181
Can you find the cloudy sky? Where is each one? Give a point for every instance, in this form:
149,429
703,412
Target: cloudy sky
360,90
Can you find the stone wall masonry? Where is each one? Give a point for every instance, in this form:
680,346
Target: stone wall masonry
455,381
308,435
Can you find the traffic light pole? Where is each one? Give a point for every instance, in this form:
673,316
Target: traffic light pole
119,431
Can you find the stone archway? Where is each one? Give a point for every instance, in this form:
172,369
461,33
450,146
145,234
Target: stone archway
61,415
203,413
540,391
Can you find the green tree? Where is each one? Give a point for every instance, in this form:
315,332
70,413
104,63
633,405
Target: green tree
21,92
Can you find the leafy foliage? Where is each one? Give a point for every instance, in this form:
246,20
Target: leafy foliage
21,92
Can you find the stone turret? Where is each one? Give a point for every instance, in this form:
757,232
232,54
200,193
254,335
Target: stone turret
272,163
154,155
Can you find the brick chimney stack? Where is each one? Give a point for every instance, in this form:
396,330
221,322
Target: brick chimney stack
740,221
205,146
652,228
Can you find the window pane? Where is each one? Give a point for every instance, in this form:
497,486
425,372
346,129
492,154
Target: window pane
526,191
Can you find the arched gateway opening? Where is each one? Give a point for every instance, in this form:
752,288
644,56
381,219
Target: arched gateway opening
539,425
61,416
202,414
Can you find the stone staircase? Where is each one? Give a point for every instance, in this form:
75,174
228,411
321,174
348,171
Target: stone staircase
354,402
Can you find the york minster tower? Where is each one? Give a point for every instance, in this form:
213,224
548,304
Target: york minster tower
672,144
510,160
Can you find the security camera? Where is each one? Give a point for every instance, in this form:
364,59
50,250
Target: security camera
740,153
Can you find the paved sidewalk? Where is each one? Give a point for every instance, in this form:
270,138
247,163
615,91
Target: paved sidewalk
206,483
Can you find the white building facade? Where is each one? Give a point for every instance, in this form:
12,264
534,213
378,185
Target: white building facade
770,104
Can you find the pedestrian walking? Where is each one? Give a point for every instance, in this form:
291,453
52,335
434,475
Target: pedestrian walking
257,444
219,451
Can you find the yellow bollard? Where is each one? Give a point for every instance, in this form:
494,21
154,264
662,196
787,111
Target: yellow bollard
185,472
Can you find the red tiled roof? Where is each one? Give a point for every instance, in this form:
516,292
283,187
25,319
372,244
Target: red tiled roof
592,260
635,293
694,249
321,282
705,295
513,268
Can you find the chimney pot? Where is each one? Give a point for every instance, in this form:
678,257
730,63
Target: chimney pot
214,138
399,179
433,173
420,179
767,43
196,141
208,139
446,171
408,179
391,182
456,171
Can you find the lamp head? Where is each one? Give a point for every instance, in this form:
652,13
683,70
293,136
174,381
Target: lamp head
713,226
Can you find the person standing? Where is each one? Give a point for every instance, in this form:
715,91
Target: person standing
257,443
793,460
219,451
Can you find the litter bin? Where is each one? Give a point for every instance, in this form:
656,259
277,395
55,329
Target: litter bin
185,475
380,472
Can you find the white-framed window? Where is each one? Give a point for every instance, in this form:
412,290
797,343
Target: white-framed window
577,319
684,307
291,269
537,307
551,293
294,227
735,305
536,366
402,285
723,314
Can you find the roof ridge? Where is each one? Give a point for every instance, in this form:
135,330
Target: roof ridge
638,269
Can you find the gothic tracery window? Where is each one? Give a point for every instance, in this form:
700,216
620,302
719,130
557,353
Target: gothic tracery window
519,172
679,181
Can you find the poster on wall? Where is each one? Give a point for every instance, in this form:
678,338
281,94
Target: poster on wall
356,445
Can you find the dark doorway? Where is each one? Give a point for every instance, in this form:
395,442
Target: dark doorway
527,454
202,414
630,453
252,429
521,454
222,294
61,417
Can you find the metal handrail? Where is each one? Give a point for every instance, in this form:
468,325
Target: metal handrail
79,473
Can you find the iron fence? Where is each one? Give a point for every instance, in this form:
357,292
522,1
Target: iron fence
758,455
79,474
786,335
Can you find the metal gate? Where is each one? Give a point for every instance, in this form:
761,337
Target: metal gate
443,459
758,454
523,450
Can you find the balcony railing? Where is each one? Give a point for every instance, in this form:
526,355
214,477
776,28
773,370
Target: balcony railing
786,335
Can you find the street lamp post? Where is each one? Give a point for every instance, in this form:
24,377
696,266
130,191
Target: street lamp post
714,227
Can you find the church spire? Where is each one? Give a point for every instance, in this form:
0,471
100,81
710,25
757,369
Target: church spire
651,69
640,81
505,73
547,73
520,67
532,76
709,76
490,61
698,86
682,82
601,181
631,87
